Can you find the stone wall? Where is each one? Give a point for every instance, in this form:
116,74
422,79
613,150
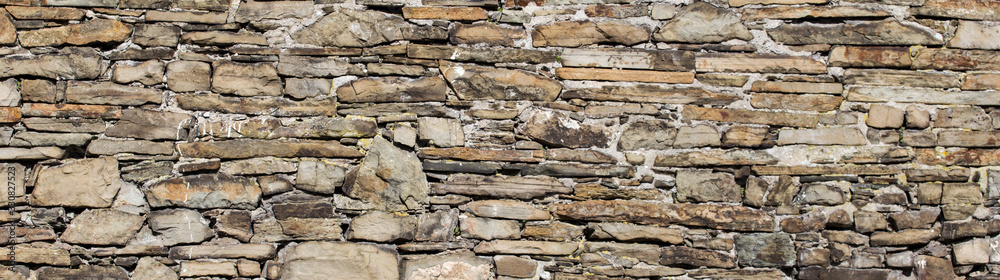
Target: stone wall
486,139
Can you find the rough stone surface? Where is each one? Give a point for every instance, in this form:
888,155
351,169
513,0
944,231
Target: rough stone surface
102,227
339,260
701,22
205,191
79,183
389,178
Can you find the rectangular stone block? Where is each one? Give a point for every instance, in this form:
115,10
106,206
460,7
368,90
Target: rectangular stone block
478,54
958,156
71,110
236,149
797,87
758,63
186,16
923,95
652,94
865,56
473,154
965,138
273,106
957,59
750,116
444,13
667,60
625,75
887,77
802,102
826,170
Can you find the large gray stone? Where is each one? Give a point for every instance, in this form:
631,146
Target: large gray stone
79,183
886,32
244,79
339,261
649,135
151,125
366,28
378,226
448,265
559,130
702,22
69,63
179,226
389,178
485,83
102,227
319,176
765,249
705,186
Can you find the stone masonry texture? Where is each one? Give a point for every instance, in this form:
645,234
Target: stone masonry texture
500,139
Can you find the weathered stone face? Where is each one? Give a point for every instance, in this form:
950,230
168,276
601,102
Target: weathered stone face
479,83
388,177
701,22
371,28
557,129
205,191
79,183
339,260
102,227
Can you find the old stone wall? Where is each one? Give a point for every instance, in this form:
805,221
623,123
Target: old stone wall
510,139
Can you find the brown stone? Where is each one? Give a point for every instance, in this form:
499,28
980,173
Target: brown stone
615,11
8,32
472,154
922,95
964,138
95,182
204,192
802,102
666,60
187,16
822,136
71,110
97,31
928,268
956,59
651,93
726,217
477,83
45,13
501,186
701,22
740,3
373,28
865,56
744,136
445,13
479,54
974,10
506,209
958,156
823,170
107,93
904,237
797,87
70,63
102,227
152,125
278,107
515,266
526,247
557,129
488,33
831,273
625,75
248,251
580,33
758,63
886,77
83,272
393,89
750,116
981,81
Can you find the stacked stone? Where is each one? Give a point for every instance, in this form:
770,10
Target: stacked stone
486,139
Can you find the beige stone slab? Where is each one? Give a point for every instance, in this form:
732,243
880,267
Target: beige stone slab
750,116
923,95
647,76
758,63
797,87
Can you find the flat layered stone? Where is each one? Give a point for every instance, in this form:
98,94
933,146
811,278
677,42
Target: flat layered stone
234,251
263,10
715,157
187,16
625,75
487,33
811,12
102,227
976,35
480,54
36,153
886,32
392,110
112,147
79,183
580,33
473,154
501,186
797,87
822,136
822,273
265,127
686,256
70,110
205,191
701,22
874,56
45,13
666,60
904,237
10,114
559,130
981,81
699,186
758,63
477,83
821,170
152,125
273,106
635,233
957,59
444,13
393,89
65,125
750,116
96,31
36,139
519,247
378,226
964,138
316,67
887,77
740,3
958,156
652,94
923,95
340,261
107,93
69,63
725,217
373,28
84,271
974,10
236,149
578,170
802,102
505,209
